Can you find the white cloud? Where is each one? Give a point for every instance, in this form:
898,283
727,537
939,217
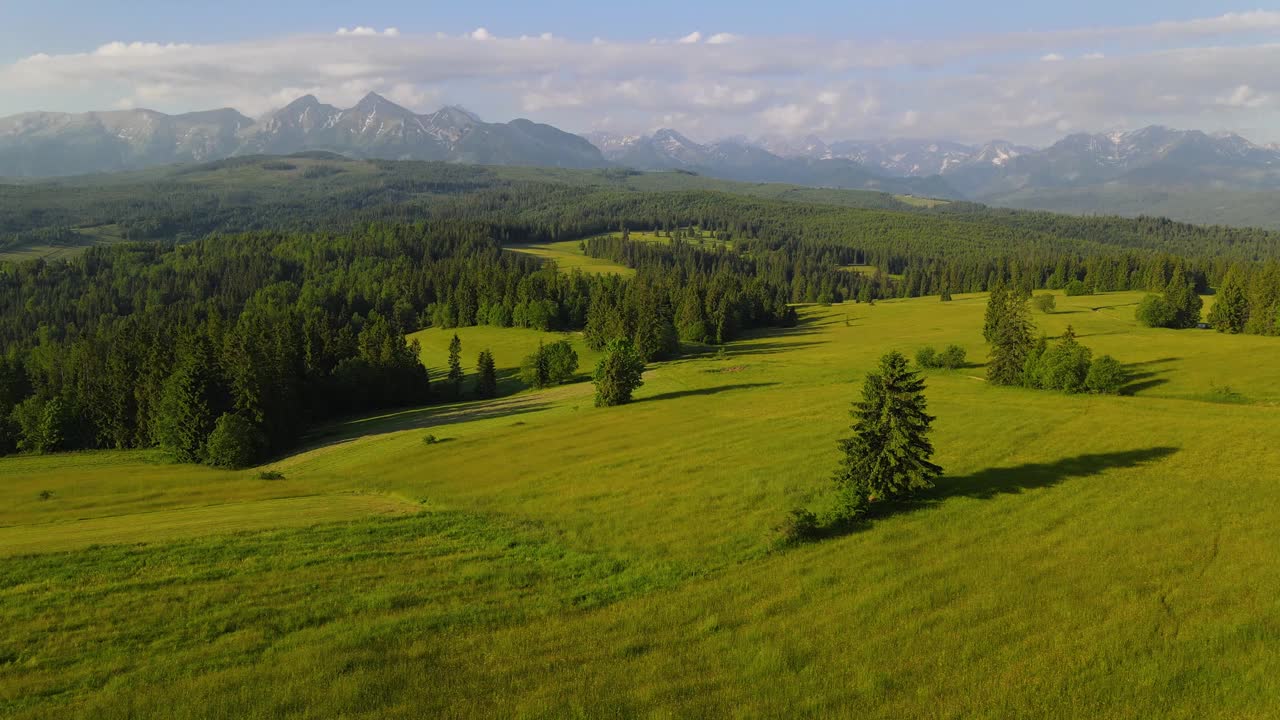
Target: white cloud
964,87
133,49
364,31
786,118
1244,96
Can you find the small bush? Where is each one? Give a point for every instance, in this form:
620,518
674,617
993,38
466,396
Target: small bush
46,494
799,526
1106,376
1224,393
952,358
1045,303
1153,311
430,440
233,443
270,475
1076,287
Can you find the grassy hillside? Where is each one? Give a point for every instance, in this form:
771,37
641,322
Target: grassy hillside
1083,556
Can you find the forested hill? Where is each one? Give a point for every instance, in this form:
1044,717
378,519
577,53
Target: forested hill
300,314
324,192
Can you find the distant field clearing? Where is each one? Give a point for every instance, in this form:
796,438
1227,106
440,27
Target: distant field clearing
568,256
226,518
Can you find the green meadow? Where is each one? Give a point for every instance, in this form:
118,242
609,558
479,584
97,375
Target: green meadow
1083,556
568,256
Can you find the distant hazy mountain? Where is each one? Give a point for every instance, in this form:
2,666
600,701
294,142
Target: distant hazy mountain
742,160
1183,174
1151,158
50,144
47,144
899,157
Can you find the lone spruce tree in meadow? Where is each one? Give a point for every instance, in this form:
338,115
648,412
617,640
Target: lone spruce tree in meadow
888,455
455,366
486,376
618,373
1010,337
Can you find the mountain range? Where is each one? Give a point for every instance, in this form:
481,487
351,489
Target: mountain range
44,144
746,161
1184,174
1150,157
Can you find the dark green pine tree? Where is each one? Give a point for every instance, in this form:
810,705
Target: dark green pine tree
691,321
1011,341
888,456
946,292
455,366
189,404
1230,311
996,303
486,376
1182,299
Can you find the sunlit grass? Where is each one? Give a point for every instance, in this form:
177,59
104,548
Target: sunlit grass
1083,556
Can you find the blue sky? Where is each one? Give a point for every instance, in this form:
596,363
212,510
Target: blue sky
1026,71
52,26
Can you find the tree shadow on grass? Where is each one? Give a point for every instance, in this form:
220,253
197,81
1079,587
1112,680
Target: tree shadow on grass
1157,361
1135,385
703,391
735,350
994,482
420,419
989,483
1146,379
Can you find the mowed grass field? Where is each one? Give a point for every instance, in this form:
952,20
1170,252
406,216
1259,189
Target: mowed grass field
1098,557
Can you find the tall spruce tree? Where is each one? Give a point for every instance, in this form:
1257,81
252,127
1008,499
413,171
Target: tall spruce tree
996,303
486,376
455,366
1230,313
888,455
189,404
1182,299
1011,341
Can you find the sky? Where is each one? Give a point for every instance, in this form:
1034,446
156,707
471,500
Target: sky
1022,70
